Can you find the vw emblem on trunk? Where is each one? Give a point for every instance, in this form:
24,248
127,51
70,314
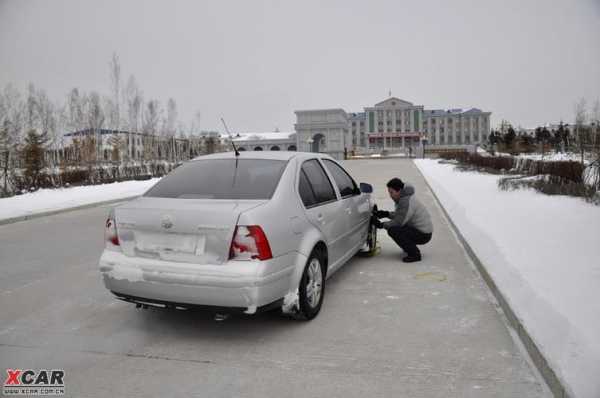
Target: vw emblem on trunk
166,222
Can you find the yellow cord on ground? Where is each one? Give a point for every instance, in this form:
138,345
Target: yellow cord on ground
374,252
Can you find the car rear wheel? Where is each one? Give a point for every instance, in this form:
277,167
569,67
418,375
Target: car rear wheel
312,287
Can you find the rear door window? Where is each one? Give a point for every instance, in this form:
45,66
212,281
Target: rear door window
319,181
344,182
306,192
221,179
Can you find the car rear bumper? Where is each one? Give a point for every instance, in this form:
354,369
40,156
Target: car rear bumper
247,285
146,302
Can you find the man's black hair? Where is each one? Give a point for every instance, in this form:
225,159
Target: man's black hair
396,184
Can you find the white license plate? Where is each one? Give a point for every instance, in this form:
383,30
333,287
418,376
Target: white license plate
156,243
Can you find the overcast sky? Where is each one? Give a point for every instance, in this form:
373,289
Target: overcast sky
255,62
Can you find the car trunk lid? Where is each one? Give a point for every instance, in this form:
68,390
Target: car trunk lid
182,230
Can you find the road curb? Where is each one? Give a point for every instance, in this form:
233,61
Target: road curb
554,383
26,217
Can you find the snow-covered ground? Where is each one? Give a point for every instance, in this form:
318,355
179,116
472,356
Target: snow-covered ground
543,252
56,199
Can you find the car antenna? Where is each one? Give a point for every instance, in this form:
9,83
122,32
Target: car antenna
230,138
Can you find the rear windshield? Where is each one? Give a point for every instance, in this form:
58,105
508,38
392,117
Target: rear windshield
221,179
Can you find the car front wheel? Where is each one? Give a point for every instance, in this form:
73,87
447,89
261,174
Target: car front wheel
369,248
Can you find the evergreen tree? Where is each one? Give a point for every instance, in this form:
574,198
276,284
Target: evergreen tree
538,134
33,155
560,137
4,157
509,137
567,137
526,140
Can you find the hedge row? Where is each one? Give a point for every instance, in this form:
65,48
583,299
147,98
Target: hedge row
74,176
569,170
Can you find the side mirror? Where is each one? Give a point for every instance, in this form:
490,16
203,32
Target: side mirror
366,188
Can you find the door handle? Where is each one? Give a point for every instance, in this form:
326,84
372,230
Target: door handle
320,218
349,210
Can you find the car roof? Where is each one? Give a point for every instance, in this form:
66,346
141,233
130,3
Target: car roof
271,155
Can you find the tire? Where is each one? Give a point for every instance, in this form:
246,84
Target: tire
370,245
311,290
372,239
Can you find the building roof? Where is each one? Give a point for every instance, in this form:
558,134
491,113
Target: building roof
325,110
98,131
357,115
455,111
263,136
394,101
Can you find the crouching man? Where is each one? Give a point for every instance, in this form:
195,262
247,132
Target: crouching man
410,224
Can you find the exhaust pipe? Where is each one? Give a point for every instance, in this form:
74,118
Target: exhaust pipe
221,317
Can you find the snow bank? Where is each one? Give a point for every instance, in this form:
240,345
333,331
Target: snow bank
543,252
63,198
549,156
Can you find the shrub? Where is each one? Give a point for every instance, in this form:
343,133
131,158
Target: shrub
572,171
551,185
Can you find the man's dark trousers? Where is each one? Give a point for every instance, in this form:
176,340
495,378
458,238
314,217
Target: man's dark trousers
408,238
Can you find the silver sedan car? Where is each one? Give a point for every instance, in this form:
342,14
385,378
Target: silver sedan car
250,232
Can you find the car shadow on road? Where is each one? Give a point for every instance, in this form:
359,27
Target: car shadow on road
201,326
194,324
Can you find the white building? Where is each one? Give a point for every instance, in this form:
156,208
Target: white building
271,141
393,124
456,127
358,129
323,130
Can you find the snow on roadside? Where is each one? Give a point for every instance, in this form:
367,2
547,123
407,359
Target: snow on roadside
45,200
543,252
549,156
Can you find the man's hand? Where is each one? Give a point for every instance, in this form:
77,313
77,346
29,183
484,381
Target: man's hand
382,214
377,223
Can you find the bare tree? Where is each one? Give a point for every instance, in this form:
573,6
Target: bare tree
134,101
580,119
95,113
150,120
4,151
75,110
47,122
95,120
31,108
171,117
169,129
195,124
594,171
11,127
3,108
115,85
595,121
151,117
62,120
181,130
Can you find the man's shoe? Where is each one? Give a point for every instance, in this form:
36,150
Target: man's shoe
412,259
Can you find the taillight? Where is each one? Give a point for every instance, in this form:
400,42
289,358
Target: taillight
249,242
110,232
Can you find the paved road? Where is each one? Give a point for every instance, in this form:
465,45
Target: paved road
386,328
